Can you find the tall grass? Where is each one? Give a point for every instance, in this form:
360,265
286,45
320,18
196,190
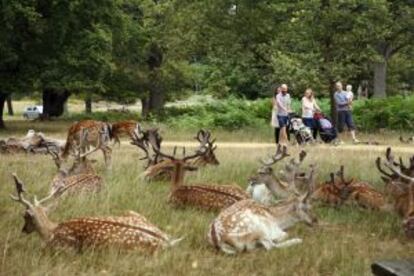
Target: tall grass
347,243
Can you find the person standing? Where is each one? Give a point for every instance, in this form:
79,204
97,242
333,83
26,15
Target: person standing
274,121
309,107
343,109
283,102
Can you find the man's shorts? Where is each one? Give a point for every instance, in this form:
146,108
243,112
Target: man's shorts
345,119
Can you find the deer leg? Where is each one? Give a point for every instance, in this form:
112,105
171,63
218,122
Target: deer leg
107,156
288,243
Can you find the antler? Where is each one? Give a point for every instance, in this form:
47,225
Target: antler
280,154
55,156
103,135
395,167
293,166
311,183
20,190
143,145
203,136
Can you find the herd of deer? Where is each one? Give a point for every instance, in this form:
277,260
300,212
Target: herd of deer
257,217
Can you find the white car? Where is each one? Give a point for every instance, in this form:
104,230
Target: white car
33,112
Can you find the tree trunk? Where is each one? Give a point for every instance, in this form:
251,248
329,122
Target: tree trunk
88,104
10,106
380,77
334,115
54,102
2,100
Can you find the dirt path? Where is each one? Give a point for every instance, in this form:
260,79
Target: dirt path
230,145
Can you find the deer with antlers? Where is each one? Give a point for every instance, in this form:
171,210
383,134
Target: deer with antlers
248,224
409,140
130,231
337,192
99,135
155,169
265,185
207,197
81,176
400,184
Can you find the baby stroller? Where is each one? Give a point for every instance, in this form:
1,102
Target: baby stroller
326,130
303,134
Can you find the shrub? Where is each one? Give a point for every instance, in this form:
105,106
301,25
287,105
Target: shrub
108,116
393,112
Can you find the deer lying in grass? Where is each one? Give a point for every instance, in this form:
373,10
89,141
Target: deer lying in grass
265,185
81,176
124,128
131,231
248,224
400,184
359,192
409,140
154,170
207,197
95,130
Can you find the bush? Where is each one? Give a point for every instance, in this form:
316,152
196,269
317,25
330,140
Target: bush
393,113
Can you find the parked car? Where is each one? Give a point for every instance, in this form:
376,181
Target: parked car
33,112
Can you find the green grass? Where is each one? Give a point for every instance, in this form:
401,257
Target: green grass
347,243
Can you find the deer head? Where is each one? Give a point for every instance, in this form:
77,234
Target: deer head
207,145
35,215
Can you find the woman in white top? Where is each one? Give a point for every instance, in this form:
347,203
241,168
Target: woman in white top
309,107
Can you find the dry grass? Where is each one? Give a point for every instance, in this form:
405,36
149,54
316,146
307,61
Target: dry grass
347,243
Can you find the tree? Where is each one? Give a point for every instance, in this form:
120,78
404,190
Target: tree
397,23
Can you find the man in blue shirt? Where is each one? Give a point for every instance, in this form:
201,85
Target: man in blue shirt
343,109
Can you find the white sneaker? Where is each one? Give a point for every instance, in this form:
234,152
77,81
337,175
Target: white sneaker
356,141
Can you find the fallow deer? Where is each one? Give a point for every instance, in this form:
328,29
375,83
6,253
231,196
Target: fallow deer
130,231
400,184
330,192
81,176
248,224
208,158
207,197
155,169
95,130
409,140
127,128
266,184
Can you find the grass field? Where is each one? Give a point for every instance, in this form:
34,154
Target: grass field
346,243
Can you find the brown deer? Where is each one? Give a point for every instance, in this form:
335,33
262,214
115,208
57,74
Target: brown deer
409,140
207,197
330,192
98,133
155,169
400,184
131,231
127,128
265,184
362,193
248,224
80,177
207,145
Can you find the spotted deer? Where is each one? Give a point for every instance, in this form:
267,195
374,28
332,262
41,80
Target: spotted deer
155,167
130,231
248,224
400,184
330,192
409,140
80,177
362,193
207,197
95,131
208,158
265,185
124,128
